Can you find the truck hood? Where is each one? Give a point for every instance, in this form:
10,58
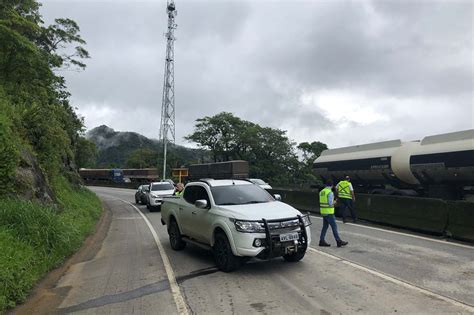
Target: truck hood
269,210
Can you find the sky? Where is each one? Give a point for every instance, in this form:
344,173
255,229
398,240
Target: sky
340,72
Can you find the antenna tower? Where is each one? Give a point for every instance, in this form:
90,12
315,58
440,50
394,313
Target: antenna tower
167,126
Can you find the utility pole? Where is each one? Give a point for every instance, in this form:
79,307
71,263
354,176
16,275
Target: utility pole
167,126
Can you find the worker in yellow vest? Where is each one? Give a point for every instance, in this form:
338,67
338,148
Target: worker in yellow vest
346,197
326,204
179,189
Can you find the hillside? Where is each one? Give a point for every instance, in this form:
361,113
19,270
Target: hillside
130,149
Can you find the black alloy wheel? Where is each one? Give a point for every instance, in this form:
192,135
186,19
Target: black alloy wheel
225,259
176,241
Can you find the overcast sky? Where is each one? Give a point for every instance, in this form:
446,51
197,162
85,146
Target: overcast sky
340,72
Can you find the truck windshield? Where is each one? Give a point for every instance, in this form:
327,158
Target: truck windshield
162,187
240,195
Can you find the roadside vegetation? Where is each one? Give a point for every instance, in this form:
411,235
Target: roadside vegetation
35,238
45,213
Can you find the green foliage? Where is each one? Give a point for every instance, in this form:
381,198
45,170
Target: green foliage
48,137
86,153
142,158
35,238
35,114
36,97
311,151
9,155
271,155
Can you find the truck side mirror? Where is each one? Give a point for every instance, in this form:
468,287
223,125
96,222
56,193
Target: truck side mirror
201,203
277,197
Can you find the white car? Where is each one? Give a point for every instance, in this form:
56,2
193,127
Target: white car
260,183
237,220
156,192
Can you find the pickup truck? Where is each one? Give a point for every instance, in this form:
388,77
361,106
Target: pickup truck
237,220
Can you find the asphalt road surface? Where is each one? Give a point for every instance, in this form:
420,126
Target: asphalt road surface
134,271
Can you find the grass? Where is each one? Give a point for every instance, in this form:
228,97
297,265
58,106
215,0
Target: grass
35,238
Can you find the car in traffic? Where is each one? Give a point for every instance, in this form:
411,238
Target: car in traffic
237,220
156,192
140,194
261,183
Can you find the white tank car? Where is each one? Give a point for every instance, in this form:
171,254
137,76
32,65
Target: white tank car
446,159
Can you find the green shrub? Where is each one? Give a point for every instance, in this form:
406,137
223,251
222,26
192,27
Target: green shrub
9,155
35,238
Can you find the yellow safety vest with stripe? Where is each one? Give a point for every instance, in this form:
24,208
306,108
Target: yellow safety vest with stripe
178,193
324,206
343,190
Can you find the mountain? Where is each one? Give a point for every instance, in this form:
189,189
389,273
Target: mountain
117,149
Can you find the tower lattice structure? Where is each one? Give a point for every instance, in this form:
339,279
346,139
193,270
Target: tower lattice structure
167,126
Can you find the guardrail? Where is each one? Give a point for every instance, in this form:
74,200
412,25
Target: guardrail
435,216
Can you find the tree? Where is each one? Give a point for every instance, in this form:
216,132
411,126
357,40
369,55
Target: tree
311,151
86,153
29,54
269,151
142,158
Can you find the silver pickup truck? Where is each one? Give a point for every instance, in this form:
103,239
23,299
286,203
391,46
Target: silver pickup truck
237,220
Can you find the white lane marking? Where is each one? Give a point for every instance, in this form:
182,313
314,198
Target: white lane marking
405,284
405,234
176,292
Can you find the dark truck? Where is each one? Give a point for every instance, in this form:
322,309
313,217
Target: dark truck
237,169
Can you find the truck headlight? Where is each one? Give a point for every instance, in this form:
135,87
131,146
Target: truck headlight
153,196
249,226
306,220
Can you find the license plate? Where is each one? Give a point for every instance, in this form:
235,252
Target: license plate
289,237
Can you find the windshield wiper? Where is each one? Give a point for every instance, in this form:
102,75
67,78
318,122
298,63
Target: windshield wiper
227,204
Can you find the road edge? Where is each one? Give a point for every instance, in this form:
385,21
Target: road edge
44,299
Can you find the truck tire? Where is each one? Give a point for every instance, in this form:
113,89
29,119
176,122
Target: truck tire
225,259
176,241
295,257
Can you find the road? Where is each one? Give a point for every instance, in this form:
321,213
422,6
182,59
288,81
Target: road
135,271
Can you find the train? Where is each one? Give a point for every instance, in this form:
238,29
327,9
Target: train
144,175
438,166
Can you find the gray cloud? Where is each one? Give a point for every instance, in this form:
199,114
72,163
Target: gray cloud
342,72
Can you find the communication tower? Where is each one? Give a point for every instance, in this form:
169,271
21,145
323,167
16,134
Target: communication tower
167,126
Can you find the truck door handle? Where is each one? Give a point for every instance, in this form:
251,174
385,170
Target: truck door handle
180,208
194,212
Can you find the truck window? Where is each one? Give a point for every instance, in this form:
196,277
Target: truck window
240,194
193,193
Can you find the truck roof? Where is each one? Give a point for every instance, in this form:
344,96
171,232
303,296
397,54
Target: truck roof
225,182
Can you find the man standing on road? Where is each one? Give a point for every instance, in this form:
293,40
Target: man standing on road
326,203
345,194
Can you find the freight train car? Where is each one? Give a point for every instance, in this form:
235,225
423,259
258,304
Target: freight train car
143,175
114,174
439,166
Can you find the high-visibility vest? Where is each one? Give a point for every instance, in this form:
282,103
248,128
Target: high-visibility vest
178,193
324,206
343,190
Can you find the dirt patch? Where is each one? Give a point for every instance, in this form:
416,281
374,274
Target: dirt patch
45,297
